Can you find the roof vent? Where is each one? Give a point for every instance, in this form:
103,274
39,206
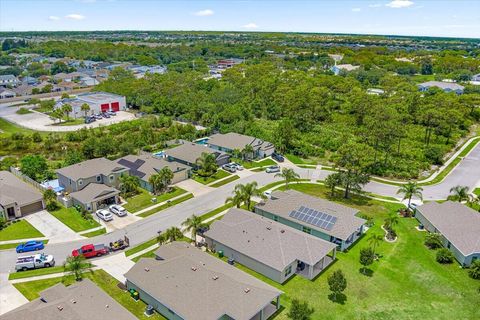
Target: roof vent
146,269
282,231
60,308
107,306
73,301
269,228
215,277
194,268
247,290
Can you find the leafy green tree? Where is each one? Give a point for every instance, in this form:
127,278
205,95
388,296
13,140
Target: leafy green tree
409,190
288,175
73,157
284,135
444,256
207,164
459,193
337,283
49,195
332,181
366,258
34,166
433,240
300,310
474,271
76,266
193,224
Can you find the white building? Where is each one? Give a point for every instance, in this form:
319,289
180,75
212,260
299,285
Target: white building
97,101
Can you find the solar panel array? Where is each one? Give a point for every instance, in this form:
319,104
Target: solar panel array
314,217
133,166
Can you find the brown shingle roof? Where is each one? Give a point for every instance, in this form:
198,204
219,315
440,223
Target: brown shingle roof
284,202
456,222
269,242
196,285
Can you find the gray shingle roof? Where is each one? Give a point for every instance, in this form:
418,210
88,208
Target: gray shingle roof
80,301
94,192
90,168
284,202
456,222
190,152
269,242
14,190
238,141
196,285
150,165
442,85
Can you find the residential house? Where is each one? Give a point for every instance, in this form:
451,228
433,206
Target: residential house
445,86
321,218
458,225
233,141
93,183
338,68
18,198
8,80
228,63
189,152
144,166
31,81
268,247
80,301
184,282
6,93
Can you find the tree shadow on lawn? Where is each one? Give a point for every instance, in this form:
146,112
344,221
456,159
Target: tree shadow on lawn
366,271
340,298
277,313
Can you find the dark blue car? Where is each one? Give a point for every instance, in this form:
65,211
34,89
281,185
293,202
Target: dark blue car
30,246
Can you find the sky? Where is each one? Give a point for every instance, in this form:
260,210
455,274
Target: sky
448,18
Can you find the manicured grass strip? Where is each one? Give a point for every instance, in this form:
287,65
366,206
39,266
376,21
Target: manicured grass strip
14,245
216,211
141,247
21,229
148,254
106,282
95,233
73,219
225,181
206,180
297,160
144,199
23,111
166,205
258,169
34,273
277,183
477,191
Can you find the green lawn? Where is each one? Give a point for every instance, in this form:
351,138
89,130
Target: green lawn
95,233
277,183
255,164
225,181
477,191
14,245
23,111
21,229
35,272
73,219
70,122
216,211
407,282
141,247
144,199
166,205
297,160
206,180
102,279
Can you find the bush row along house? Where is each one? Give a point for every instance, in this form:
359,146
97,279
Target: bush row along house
97,102
183,282
18,198
458,225
95,183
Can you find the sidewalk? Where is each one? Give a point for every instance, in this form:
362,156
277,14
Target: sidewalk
22,240
10,297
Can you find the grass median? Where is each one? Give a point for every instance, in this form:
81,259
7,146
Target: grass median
166,205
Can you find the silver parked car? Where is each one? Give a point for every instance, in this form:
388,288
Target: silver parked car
273,169
118,210
105,215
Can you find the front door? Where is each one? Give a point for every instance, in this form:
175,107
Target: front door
11,212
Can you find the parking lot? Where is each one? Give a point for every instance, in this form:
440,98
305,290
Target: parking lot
42,122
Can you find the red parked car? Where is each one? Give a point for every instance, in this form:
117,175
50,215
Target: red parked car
90,250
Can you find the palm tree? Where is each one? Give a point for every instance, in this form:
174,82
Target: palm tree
57,114
409,190
129,184
289,175
237,198
166,176
374,241
76,266
460,193
248,191
193,224
66,108
170,235
207,164
247,152
85,108
391,221
156,182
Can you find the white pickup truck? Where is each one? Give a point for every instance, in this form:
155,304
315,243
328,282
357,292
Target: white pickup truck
34,262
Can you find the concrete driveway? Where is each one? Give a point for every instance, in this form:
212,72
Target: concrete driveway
42,122
116,265
51,227
118,222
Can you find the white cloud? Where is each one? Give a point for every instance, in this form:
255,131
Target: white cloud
251,25
399,4
375,5
204,13
75,16
53,18
356,9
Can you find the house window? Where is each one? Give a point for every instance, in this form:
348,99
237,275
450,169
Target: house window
288,271
112,177
275,218
307,230
80,182
99,178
